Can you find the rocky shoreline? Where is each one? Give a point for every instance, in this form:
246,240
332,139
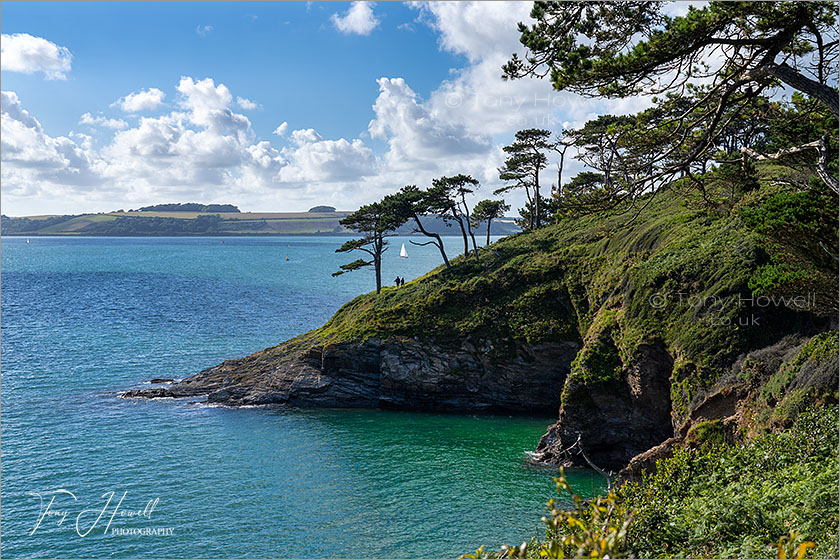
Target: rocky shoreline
396,373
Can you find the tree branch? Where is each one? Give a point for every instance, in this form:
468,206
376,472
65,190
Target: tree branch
821,146
826,95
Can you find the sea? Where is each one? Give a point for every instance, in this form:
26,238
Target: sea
86,474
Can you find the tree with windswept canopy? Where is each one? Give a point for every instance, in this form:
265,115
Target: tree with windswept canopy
375,222
486,211
586,191
522,168
527,214
448,199
621,49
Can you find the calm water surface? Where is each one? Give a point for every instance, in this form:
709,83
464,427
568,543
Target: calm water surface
84,317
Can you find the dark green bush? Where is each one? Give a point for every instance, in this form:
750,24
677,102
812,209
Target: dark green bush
739,500
772,496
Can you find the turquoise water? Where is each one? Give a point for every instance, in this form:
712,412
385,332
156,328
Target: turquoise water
82,318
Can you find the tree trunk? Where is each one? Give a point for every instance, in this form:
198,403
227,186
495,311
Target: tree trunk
463,232
438,241
531,208
820,146
537,196
377,264
472,235
469,225
488,230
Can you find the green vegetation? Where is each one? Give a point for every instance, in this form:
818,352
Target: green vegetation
679,273
522,170
202,224
704,117
808,377
738,499
771,496
486,211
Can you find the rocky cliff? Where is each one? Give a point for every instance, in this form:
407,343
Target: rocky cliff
636,330
397,372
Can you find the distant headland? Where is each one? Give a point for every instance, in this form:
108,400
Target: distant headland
197,219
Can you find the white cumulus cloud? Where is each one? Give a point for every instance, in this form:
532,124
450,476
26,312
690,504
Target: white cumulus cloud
305,136
21,52
412,132
359,19
143,100
476,96
36,164
245,104
281,130
209,105
315,159
100,120
202,150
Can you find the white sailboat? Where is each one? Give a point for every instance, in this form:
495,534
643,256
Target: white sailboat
403,253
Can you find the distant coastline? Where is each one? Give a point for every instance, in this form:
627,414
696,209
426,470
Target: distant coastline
203,224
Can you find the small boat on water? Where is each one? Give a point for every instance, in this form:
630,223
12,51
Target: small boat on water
27,241
403,253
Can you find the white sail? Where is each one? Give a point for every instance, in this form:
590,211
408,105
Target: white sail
403,253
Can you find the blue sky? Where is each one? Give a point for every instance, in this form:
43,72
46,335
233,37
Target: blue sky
286,56
112,105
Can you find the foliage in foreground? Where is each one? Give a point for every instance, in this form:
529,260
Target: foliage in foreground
593,529
773,496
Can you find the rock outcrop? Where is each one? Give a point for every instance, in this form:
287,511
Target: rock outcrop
615,419
397,373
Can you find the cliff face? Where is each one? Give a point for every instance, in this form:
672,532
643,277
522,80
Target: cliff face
615,422
401,373
636,331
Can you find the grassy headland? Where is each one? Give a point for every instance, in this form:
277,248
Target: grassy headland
703,280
